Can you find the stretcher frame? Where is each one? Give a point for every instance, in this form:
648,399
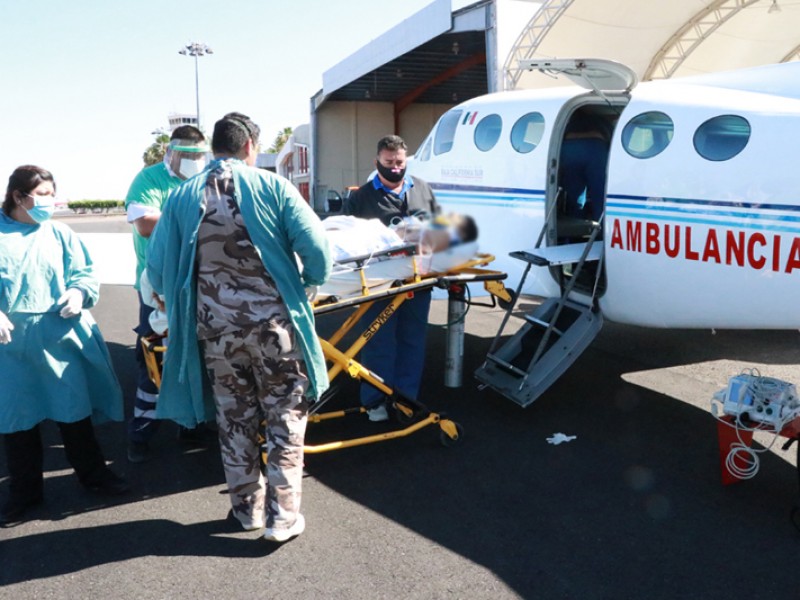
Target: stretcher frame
410,413
153,350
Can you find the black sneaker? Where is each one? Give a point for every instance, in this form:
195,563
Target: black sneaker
139,452
15,508
108,483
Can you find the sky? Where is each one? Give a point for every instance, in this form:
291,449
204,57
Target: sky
85,83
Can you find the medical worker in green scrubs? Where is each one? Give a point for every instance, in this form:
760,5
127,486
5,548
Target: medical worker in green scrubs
185,157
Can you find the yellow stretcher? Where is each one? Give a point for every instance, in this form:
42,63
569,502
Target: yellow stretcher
411,414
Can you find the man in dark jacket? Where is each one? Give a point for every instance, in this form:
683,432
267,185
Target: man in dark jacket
397,352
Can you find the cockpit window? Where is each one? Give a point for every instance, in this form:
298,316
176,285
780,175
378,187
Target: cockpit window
424,153
487,132
446,132
527,132
722,138
647,134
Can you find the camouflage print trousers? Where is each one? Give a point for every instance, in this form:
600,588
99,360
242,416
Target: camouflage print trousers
260,374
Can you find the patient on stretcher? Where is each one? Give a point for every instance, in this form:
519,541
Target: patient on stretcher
437,235
440,245
350,236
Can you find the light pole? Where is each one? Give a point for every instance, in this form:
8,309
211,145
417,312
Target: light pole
196,49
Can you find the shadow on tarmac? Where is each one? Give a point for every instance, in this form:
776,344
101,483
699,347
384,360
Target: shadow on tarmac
68,551
633,508
636,498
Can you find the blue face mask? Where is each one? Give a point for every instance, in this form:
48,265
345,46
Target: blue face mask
43,208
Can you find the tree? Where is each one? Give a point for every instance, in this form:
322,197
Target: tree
280,140
155,152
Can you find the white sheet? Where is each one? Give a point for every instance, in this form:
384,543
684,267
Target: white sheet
345,281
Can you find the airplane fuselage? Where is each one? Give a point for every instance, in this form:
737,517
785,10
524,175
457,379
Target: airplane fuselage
702,209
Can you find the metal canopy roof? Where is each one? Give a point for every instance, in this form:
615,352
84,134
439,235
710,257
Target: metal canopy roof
446,69
437,56
445,65
659,39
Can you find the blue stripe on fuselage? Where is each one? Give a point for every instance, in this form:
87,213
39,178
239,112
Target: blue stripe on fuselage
475,195
749,215
745,215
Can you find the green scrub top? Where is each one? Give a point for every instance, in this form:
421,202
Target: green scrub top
151,187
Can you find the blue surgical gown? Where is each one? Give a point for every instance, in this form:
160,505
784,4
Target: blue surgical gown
53,368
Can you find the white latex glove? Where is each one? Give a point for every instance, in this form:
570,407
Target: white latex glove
558,438
72,300
6,327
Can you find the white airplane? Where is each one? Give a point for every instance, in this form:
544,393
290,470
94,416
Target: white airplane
701,227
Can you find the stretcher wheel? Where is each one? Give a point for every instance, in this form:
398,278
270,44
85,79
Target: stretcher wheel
451,433
505,304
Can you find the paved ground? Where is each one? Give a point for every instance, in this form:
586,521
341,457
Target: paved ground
633,508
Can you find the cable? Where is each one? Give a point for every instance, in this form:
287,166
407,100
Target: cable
750,459
457,320
741,452
742,460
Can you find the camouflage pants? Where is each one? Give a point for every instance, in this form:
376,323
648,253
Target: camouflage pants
260,374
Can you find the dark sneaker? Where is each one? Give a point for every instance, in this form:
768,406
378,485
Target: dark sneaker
108,483
139,452
15,508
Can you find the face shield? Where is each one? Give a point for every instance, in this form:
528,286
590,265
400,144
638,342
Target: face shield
186,159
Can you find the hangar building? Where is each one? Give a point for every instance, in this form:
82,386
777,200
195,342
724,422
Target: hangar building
405,79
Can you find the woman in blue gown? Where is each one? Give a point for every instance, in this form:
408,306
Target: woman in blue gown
54,361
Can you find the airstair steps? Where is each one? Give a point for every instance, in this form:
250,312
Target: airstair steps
553,336
517,373
545,324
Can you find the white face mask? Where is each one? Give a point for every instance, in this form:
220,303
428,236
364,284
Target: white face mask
189,168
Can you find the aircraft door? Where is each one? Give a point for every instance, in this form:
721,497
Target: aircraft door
581,173
557,332
577,180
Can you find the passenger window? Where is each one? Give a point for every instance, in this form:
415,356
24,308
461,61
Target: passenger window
487,132
722,138
425,152
647,134
446,132
527,132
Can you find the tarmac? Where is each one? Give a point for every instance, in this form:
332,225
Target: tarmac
632,508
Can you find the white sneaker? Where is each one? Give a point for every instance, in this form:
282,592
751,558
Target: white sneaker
284,535
249,524
378,414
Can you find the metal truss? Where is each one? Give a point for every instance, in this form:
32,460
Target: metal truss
792,56
665,62
689,37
